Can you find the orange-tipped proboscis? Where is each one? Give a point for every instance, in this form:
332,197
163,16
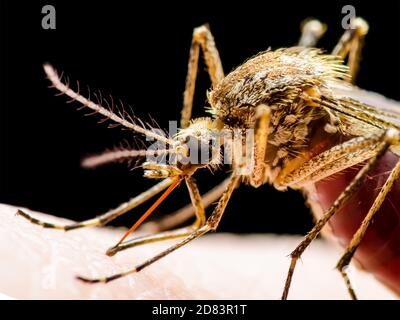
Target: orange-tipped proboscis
151,209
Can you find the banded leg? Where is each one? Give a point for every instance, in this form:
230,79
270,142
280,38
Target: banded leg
167,235
359,235
387,140
202,38
311,31
108,216
331,161
351,44
210,225
263,115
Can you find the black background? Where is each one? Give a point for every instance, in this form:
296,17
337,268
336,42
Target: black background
138,52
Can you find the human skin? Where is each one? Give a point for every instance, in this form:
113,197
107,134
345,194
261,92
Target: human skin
40,263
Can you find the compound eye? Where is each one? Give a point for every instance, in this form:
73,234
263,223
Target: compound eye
200,152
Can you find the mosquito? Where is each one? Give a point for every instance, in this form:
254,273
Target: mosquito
307,126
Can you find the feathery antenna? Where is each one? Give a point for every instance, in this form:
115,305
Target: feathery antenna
119,155
65,89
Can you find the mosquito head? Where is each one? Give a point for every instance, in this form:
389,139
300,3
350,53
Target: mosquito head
197,146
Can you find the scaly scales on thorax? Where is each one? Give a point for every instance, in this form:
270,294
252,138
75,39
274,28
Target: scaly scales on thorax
283,80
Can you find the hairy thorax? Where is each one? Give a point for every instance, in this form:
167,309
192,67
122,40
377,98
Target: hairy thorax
283,80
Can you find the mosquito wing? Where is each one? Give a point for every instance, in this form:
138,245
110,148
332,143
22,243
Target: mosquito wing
364,111
373,102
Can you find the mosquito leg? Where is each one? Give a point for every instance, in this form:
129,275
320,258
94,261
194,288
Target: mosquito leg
202,38
179,233
161,236
263,115
182,215
351,44
311,32
211,225
387,140
359,235
331,161
108,216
